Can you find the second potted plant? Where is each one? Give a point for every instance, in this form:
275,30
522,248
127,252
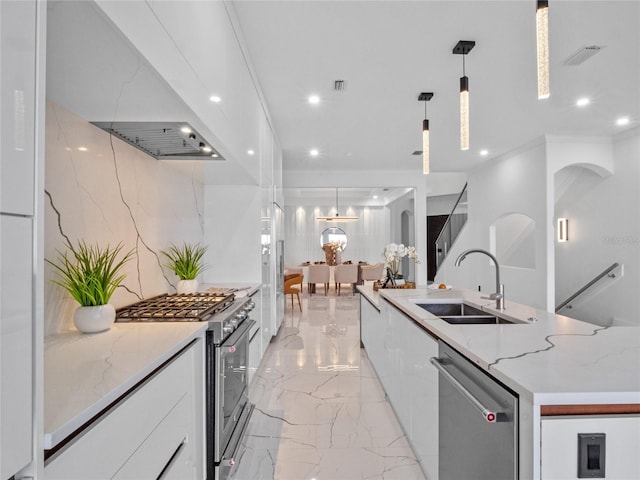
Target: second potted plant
186,262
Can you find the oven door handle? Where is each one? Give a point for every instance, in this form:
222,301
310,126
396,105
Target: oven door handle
231,344
490,416
237,436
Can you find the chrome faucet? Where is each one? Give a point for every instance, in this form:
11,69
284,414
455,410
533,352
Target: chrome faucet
498,296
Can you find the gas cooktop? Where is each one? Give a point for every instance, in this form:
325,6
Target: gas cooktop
193,307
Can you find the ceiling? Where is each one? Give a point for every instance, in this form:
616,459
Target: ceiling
387,52
390,51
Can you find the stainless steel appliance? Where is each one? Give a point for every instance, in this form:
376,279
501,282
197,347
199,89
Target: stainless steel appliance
478,421
227,358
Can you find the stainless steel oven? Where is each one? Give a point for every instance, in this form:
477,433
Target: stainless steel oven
227,356
228,399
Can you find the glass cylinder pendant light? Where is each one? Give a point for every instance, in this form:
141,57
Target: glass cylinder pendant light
542,43
462,48
425,97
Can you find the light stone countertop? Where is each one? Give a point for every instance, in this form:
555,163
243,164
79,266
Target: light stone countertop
85,373
555,360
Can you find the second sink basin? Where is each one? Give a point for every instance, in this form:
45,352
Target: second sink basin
474,320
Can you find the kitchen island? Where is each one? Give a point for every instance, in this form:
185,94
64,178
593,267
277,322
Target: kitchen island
560,368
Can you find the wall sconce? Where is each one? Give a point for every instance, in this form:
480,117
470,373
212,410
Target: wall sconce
563,229
462,48
425,97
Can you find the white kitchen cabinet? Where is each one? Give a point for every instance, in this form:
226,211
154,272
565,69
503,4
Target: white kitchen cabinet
559,445
369,315
17,105
400,351
138,437
16,353
422,379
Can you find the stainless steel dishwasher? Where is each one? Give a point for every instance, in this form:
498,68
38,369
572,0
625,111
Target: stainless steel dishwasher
478,418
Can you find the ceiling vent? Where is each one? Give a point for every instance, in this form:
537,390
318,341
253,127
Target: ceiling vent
417,152
339,85
582,55
163,140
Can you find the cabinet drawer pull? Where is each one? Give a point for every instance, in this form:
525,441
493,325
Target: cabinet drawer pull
173,459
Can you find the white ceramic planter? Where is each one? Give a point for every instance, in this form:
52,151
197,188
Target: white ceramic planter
187,286
94,319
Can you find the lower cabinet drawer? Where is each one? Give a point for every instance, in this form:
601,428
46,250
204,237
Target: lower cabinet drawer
156,454
107,446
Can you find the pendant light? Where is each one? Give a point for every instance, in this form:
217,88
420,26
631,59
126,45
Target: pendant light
337,217
425,97
462,48
542,44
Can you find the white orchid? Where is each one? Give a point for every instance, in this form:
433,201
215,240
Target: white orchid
394,252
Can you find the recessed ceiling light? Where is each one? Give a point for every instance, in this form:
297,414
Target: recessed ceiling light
484,153
375,197
215,99
214,155
313,152
206,149
185,130
83,149
583,102
250,152
622,121
314,99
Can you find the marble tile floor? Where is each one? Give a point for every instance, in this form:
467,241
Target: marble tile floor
321,413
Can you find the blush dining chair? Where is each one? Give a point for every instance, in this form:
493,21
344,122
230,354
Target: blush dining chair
318,274
345,273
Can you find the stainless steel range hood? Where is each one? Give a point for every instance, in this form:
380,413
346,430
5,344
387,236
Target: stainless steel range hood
163,140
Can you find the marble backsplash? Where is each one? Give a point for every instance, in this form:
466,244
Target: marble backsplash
101,190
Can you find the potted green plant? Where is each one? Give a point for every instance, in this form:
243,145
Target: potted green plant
186,262
91,273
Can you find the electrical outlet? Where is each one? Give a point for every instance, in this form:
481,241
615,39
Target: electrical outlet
591,455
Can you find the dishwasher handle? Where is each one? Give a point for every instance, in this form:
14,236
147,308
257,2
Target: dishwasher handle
489,415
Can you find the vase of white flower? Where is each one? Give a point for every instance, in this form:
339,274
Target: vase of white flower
393,254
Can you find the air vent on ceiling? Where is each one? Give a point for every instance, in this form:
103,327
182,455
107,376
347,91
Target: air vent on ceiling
417,152
163,140
582,55
339,85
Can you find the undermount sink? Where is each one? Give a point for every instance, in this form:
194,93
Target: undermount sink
475,320
461,314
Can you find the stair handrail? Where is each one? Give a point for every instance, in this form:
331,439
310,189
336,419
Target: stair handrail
595,280
448,221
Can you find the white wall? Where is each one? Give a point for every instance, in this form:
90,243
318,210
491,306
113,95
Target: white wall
604,217
366,237
513,184
406,203
114,193
399,178
604,227
232,230
441,204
